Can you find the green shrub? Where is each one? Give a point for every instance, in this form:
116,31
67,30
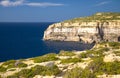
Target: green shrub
96,63
97,53
12,69
79,73
71,60
13,76
111,68
73,73
100,51
24,73
37,70
54,70
94,53
86,73
114,45
103,43
66,53
2,69
83,55
117,53
22,65
9,62
44,58
98,67
13,64
104,49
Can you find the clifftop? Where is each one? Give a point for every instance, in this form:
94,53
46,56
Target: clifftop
101,16
95,28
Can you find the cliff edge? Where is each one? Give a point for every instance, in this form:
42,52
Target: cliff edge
95,28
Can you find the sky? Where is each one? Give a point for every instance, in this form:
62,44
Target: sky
53,10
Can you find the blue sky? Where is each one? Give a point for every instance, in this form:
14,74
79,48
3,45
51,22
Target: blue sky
53,10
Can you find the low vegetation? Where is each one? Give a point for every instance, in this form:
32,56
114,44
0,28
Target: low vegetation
2,69
114,45
95,66
37,70
66,53
98,16
12,69
98,67
73,73
71,60
45,58
117,53
79,73
83,55
11,64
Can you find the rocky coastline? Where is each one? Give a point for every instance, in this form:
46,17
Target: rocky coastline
102,61
95,28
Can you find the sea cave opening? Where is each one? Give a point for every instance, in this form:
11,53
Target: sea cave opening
119,38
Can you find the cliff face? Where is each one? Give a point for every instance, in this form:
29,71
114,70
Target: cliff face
99,27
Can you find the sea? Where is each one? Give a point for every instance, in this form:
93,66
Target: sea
25,40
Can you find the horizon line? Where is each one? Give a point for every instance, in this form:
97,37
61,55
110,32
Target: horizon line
29,22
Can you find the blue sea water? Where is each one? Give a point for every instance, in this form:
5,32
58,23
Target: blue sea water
24,40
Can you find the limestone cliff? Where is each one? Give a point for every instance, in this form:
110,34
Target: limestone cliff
98,27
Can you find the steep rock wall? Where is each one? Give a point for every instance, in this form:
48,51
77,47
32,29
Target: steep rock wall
108,30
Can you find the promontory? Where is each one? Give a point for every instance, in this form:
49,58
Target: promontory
95,28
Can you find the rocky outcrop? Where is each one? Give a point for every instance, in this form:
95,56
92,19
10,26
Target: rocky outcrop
99,27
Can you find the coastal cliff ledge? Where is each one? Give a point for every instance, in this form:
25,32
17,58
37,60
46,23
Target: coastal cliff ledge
95,28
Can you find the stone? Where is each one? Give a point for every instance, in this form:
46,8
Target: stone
85,31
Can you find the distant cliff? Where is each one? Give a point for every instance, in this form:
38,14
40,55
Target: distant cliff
98,27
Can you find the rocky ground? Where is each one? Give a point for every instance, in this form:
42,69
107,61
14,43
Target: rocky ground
63,64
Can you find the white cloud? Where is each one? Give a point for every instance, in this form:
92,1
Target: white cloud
103,3
7,3
45,4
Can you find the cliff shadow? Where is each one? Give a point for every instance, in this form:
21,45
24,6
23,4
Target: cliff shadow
119,38
100,29
56,46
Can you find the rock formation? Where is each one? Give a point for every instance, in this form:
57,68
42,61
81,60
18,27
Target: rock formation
98,27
